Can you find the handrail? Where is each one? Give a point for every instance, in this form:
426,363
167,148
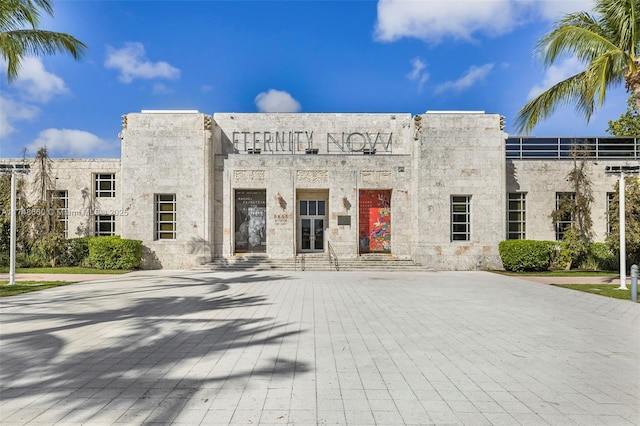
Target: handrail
302,265
332,255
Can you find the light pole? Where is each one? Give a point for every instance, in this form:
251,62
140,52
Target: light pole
622,171
13,170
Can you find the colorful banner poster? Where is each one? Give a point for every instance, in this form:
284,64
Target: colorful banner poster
251,221
375,220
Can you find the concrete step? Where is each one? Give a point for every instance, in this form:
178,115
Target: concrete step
311,262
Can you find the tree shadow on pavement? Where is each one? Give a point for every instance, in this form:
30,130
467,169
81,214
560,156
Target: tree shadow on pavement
152,354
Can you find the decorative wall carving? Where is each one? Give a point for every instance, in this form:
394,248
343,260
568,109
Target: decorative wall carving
248,176
312,177
376,177
207,122
124,122
417,121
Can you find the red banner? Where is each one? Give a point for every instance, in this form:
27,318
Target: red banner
375,220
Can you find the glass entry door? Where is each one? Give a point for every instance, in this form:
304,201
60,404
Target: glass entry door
311,229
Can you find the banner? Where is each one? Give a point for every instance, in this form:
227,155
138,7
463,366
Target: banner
374,220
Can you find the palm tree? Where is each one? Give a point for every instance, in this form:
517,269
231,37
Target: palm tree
607,42
20,36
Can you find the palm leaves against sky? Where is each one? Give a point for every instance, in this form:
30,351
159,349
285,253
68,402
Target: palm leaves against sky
20,36
606,42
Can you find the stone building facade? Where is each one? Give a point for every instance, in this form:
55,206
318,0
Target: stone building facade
440,188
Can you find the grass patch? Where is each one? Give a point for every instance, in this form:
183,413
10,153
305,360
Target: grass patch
572,273
609,290
28,286
65,270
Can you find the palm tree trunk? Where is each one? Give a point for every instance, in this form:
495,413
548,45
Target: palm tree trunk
632,78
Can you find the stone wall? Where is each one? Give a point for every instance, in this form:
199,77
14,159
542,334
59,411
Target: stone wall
168,153
287,172
77,177
458,154
541,179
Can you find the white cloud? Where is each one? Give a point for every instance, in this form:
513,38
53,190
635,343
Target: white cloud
68,142
553,10
473,76
132,63
276,101
12,111
555,74
433,20
37,84
418,72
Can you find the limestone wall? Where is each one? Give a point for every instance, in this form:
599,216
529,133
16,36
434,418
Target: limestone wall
77,177
541,179
282,133
168,153
458,154
292,177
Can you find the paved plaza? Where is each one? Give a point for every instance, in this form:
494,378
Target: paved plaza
194,347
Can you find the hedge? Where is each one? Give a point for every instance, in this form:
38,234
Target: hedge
114,253
525,255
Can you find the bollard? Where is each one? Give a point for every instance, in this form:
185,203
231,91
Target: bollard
634,283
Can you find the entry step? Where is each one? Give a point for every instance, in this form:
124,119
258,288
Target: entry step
312,262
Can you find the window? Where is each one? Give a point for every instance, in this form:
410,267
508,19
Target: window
165,217
105,185
61,201
460,217
516,216
105,226
564,221
610,205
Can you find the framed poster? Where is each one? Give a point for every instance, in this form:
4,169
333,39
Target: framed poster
250,221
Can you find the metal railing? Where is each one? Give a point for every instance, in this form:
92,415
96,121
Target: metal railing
594,148
333,257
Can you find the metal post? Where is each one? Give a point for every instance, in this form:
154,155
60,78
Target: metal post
12,243
623,247
634,283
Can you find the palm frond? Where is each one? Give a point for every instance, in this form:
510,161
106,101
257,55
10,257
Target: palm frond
19,43
584,43
606,42
566,92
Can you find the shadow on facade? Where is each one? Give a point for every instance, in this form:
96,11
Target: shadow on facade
149,259
165,351
200,247
512,176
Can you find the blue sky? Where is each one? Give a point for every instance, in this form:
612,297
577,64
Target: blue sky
276,56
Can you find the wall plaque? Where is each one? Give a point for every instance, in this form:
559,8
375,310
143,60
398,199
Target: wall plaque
344,220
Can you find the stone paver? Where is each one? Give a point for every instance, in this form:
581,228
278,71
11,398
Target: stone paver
318,348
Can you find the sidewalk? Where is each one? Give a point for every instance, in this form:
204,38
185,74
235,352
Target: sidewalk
575,280
59,277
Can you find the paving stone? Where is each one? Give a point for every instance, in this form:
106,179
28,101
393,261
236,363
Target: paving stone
186,347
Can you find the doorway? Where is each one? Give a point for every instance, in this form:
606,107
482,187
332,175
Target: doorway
311,228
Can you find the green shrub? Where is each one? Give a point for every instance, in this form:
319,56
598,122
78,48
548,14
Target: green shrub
4,259
560,256
52,245
525,255
36,259
114,253
76,252
599,256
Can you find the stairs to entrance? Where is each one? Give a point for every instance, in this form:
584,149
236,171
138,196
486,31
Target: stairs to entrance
312,262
